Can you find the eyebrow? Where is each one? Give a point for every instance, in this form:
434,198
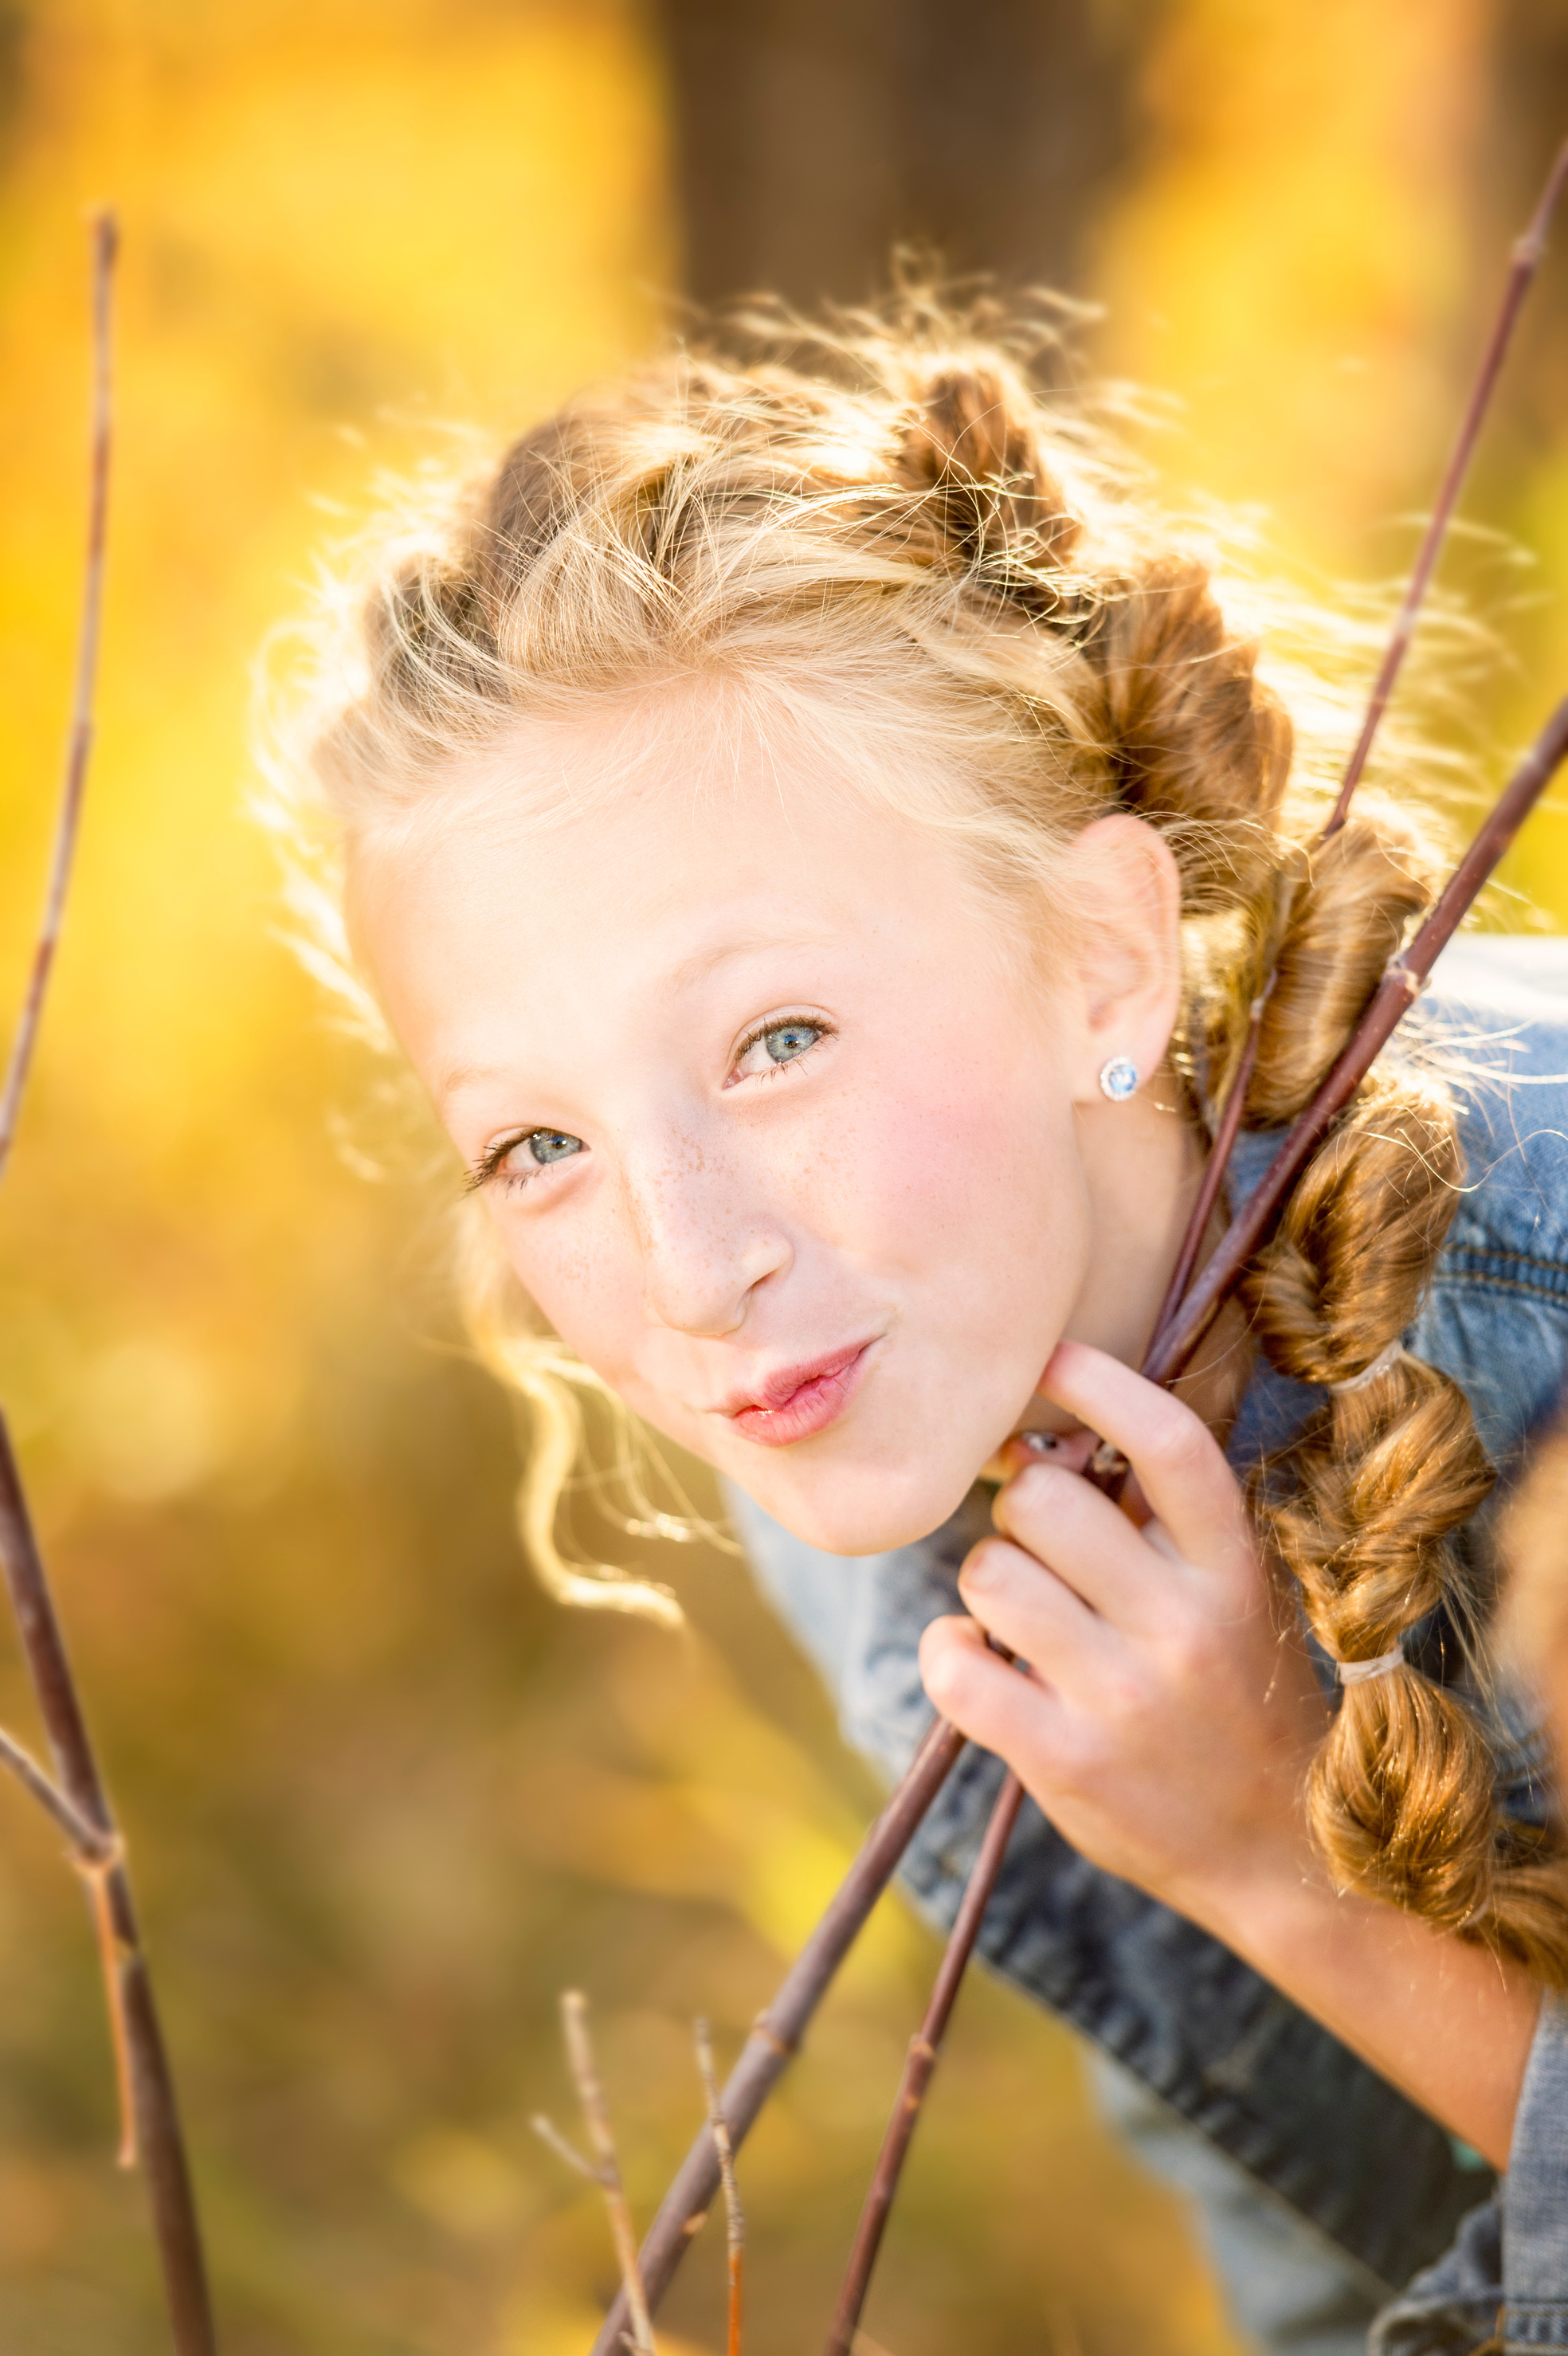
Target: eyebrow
455,1078
704,962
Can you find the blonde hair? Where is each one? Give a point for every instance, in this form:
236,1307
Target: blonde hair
893,532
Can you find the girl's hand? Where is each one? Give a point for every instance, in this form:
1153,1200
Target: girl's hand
1169,1707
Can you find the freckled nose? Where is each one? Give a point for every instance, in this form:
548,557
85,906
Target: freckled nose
703,1257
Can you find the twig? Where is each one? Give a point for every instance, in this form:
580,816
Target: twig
606,2169
735,2220
1217,1163
1526,261
151,2118
548,2133
918,2066
773,2043
91,1848
1402,980
105,240
93,1853
150,2123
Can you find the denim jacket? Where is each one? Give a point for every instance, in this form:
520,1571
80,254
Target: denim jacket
1315,2125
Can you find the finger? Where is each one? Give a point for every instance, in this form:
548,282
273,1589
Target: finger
1034,1613
1180,1468
1067,1522
1001,1709
1070,1451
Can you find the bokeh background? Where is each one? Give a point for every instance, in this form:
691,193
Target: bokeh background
384,1801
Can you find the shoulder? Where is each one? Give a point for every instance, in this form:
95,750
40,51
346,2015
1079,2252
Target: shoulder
1496,1021
1496,1024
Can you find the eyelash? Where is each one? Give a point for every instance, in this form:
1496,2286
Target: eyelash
782,1022
488,1167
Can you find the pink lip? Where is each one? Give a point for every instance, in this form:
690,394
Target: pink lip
800,1401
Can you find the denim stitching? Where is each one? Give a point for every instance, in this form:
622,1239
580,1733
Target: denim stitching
1529,2323
1465,1268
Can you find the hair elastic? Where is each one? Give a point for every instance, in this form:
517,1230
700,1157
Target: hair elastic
1383,1363
1361,1672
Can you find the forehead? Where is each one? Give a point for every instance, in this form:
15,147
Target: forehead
639,851
670,810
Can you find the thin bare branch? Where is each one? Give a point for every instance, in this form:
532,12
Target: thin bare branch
919,2065
94,1854
113,1957
1526,262
1216,1165
606,2171
1402,984
548,2133
735,2218
105,241
90,1846
776,2036
151,2113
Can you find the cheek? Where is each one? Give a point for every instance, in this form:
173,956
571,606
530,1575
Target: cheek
952,1168
585,1279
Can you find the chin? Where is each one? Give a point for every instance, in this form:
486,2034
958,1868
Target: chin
872,1511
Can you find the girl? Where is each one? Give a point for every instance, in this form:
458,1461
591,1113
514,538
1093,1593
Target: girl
817,841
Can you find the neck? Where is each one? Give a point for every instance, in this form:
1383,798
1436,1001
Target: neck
1143,1161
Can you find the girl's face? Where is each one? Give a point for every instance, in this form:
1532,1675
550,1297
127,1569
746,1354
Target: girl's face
775,1117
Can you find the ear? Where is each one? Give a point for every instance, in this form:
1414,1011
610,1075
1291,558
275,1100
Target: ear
1121,890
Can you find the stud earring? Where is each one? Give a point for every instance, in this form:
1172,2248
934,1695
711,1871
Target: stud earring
1119,1078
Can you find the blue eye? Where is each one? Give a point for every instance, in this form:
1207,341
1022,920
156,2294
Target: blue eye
553,1144
789,1040
778,1043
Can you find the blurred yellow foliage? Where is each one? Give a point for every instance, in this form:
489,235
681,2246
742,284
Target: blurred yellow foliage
384,1801
1307,259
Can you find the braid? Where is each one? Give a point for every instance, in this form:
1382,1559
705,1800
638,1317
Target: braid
971,449
1362,1507
1363,1503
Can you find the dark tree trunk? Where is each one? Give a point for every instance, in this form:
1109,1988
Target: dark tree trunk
813,136
1527,123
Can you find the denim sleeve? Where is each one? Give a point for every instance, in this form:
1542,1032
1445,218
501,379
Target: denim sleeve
1503,2285
1535,2195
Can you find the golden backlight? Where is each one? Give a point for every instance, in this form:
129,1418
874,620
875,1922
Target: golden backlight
383,1801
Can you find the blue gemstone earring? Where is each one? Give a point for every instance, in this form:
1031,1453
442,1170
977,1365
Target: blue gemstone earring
1119,1078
